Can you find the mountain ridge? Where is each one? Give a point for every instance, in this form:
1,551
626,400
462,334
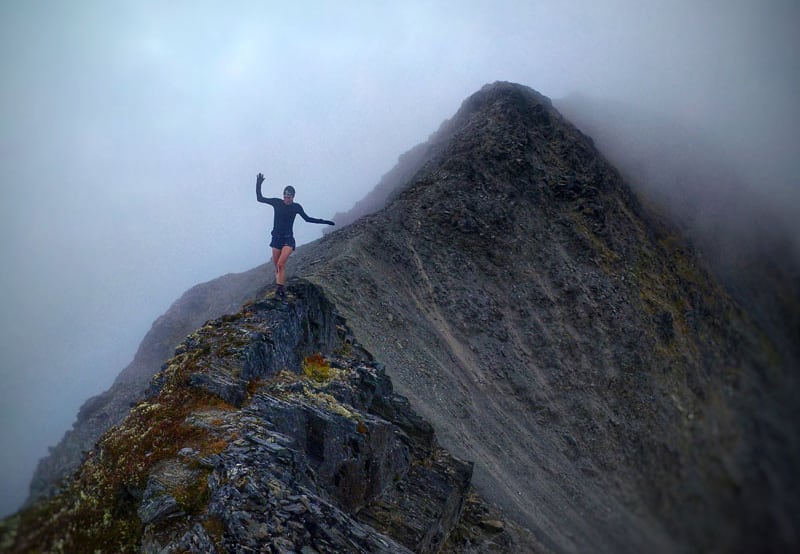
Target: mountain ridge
557,333
599,251
248,439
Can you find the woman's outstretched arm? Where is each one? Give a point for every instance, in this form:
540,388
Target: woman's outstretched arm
303,214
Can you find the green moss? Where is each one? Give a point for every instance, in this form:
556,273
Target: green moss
317,369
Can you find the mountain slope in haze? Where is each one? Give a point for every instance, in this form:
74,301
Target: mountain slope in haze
748,232
612,396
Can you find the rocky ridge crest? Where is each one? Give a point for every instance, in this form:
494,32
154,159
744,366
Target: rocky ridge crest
199,304
252,439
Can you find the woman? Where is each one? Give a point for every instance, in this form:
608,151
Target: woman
282,235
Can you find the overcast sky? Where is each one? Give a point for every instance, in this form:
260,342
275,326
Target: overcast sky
131,133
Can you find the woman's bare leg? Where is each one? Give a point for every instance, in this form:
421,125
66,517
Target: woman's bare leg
280,264
276,254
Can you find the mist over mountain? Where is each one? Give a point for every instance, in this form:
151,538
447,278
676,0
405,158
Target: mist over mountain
743,222
549,318
608,310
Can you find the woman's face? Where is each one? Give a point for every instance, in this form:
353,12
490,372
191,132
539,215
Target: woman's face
287,198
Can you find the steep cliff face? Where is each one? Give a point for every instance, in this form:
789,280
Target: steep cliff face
269,429
610,393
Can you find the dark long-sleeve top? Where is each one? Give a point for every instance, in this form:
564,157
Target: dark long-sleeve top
285,214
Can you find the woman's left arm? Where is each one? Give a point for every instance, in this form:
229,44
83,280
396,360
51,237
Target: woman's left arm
305,216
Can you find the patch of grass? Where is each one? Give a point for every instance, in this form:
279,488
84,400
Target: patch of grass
317,369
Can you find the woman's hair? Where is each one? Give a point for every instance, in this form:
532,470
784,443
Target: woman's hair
289,190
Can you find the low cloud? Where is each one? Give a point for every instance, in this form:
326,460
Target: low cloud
132,133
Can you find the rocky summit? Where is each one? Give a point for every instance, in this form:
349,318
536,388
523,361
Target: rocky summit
270,430
554,330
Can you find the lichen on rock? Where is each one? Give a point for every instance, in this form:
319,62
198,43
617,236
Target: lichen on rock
238,447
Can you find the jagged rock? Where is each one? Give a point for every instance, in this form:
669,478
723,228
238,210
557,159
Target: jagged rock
336,463
199,304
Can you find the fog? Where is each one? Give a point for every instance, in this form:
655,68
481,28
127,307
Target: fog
131,133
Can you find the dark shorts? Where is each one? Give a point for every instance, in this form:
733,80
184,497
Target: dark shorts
280,242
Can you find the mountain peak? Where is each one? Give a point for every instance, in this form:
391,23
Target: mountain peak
553,331
505,91
548,324
500,96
